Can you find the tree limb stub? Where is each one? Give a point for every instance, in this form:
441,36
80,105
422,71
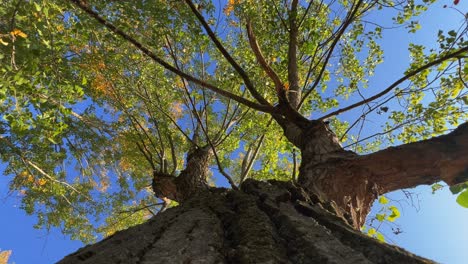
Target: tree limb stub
190,180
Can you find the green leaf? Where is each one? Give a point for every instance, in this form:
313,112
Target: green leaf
383,200
394,215
452,33
462,199
371,232
465,99
380,237
38,7
458,188
435,187
380,217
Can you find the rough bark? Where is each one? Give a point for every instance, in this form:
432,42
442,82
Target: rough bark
351,182
278,222
272,222
190,181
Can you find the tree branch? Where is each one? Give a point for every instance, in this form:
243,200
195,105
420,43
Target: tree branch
398,82
294,93
424,162
267,108
350,18
261,59
248,83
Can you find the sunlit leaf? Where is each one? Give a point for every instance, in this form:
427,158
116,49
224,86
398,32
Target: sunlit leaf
383,200
462,199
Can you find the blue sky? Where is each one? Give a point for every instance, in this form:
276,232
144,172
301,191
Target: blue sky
435,228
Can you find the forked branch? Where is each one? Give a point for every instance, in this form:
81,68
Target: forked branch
248,83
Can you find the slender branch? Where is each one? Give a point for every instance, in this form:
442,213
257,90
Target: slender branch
248,83
134,210
267,108
147,157
294,93
399,81
253,157
305,13
279,15
173,154
294,158
45,174
350,18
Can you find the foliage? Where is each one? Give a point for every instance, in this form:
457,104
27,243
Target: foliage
4,256
88,115
387,214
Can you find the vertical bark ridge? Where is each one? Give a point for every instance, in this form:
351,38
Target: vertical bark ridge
316,235
128,246
253,237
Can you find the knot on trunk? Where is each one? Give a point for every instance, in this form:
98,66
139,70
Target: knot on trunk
190,180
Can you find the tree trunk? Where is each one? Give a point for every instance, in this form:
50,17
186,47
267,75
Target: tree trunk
264,222
278,222
349,183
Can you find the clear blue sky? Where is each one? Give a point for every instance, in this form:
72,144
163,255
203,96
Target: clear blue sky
437,230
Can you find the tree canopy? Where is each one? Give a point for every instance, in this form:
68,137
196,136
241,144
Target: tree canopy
97,96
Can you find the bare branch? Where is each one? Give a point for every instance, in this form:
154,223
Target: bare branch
424,162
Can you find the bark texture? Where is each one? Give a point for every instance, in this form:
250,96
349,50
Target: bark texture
273,222
190,181
350,182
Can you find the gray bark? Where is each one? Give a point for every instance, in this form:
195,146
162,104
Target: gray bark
273,222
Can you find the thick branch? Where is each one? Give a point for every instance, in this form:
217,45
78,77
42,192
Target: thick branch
398,82
260,107
425,162
261,59
353,182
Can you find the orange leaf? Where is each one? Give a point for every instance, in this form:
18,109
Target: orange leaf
4,256
41,182
19,33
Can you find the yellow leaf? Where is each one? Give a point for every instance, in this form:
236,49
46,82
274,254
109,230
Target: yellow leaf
30,178
41,182
3,42
4,256
19,33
